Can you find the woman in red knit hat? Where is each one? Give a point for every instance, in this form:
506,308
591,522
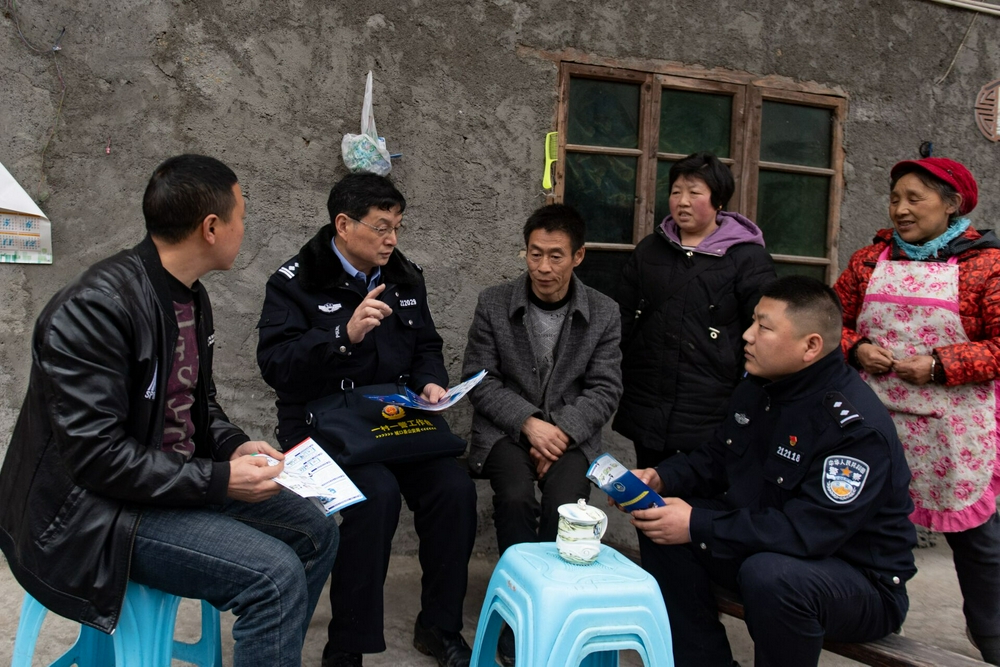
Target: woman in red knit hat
922,324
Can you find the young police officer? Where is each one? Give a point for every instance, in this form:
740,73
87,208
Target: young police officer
799,502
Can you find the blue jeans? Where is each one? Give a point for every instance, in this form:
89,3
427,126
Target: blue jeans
266,561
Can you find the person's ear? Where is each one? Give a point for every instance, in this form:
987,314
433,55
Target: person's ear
955,204
814,348
208,226
340,223
578,256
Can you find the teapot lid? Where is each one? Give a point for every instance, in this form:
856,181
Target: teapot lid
581,512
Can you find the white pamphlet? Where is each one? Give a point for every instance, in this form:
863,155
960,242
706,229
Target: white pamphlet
311,473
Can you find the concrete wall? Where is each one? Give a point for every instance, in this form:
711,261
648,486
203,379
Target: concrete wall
271,87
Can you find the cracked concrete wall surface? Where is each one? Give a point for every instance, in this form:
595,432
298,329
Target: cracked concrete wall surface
460,90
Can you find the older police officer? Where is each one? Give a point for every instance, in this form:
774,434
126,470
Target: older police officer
350,305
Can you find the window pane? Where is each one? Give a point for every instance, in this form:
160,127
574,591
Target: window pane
817,272
601,269
662,191
692,122
791,211
795,134
602,188
603,113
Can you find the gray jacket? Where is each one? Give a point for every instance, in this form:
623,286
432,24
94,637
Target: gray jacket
585,383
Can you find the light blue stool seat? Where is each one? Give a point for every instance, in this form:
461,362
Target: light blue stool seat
144,636
566,615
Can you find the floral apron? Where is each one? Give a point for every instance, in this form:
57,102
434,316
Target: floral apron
949,433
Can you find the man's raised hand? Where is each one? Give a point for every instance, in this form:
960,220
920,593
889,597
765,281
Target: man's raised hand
367,316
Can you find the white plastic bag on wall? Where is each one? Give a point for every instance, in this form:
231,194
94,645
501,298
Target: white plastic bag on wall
366,151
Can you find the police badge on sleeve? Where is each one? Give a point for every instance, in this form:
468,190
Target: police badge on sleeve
843,478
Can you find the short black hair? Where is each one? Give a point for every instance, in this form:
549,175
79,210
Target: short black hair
811,304
183,191
945,190
558,218
707,167
355,194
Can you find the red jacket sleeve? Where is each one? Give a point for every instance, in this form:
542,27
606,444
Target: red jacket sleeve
979,293
851,287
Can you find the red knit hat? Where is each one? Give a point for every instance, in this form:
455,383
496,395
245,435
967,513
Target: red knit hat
953,173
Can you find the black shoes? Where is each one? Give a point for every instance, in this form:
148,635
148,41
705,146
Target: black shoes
989,647
505,646
449,648
342,659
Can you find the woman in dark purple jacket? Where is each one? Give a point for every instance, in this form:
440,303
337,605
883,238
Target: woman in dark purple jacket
686,296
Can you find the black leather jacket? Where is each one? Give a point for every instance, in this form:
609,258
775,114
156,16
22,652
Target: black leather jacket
84,457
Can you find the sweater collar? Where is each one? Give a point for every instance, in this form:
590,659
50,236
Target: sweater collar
578,302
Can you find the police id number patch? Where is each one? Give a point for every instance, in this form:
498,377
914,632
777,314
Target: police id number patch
843,478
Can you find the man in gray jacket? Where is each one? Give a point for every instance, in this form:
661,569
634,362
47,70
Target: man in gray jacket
550,344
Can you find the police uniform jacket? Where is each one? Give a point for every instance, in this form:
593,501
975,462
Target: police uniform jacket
811,467
304,352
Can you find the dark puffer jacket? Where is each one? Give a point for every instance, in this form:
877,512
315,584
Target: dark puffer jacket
683,316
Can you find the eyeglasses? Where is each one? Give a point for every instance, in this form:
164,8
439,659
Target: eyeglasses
381,231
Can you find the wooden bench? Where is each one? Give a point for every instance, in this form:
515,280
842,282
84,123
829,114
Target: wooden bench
891,651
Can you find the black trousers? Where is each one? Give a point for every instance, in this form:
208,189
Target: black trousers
790,604
442,497
517,514
977,564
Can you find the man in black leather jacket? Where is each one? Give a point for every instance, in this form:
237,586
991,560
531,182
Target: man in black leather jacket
122,466
799,502
349,305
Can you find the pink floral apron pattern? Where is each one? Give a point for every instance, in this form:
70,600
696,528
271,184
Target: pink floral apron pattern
949,433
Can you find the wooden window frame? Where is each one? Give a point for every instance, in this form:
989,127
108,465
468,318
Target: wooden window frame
749,94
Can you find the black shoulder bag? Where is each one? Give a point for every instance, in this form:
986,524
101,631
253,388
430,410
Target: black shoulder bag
359,430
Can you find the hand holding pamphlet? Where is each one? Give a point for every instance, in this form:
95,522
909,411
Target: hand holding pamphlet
311,473
413,400
628,491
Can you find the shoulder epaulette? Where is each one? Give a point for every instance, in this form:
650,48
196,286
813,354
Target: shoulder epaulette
841,409
289,270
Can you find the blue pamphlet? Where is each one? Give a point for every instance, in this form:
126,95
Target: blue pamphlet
413,400
627,490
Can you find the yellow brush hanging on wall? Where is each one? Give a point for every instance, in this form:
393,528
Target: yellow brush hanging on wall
551,153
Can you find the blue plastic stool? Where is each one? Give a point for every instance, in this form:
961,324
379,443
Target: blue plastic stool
566,615
144,636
